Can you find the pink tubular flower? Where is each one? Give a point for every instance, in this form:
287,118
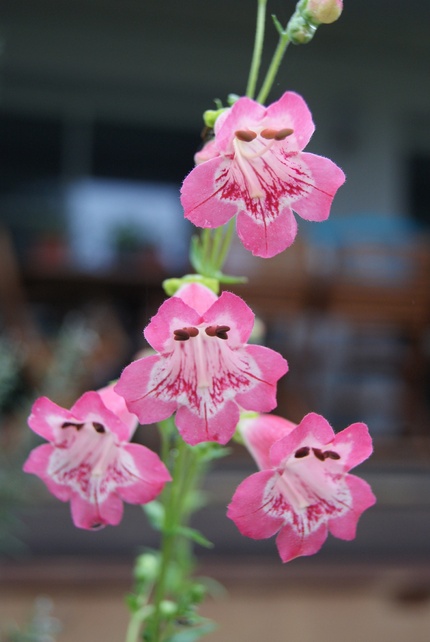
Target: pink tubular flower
255,168
303,489
89,460
204,369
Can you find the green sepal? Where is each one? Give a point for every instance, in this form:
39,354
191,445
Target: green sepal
232,98
211,450
230,279
171,286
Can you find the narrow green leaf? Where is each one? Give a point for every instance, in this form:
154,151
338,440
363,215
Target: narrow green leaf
194,535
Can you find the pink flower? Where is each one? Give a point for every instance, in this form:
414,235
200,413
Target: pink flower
303,489
204,368
89,460
255,168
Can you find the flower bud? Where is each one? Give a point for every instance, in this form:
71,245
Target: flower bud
299,30
323,11
210,116
147,567
168,608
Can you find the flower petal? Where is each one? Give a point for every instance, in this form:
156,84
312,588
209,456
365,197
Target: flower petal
232,311
362,498
91,407
314,204
244,114
150,475
218,427
92,516
116,404
262,396
292,111
200,194
266,238
312,431
37,463
247,508
354,444
46,418
172,314
260,433
197,296
142,390
292,544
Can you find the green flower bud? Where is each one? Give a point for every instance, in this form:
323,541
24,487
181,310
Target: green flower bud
210,116
168,608
299,30
146,567
197,593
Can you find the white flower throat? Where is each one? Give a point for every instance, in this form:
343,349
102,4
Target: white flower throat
202,349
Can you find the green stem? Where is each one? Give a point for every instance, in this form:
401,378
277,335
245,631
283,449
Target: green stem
258,49
226,242
280,50
217,239
135,624
173,517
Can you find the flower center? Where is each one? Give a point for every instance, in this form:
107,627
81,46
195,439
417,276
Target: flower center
91,448
200,350
249,146
183,334
303,480
322,455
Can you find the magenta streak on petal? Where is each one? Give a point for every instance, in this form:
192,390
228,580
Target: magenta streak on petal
90,466
305,494
203,368
213,194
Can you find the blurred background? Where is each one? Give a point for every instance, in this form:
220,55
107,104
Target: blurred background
100,116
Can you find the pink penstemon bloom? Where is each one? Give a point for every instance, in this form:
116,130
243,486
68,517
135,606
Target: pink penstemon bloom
255,168
89,460
303,490
204,368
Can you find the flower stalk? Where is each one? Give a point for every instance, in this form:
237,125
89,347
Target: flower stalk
275,63
258,49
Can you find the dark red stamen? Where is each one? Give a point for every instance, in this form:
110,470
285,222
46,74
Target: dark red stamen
283,133
98,427
71,424
330,454
276,134
183,334
302,452
318,454
268,134
245,135
193,332
219,331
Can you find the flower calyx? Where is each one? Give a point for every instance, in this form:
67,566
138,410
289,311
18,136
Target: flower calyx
171,286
